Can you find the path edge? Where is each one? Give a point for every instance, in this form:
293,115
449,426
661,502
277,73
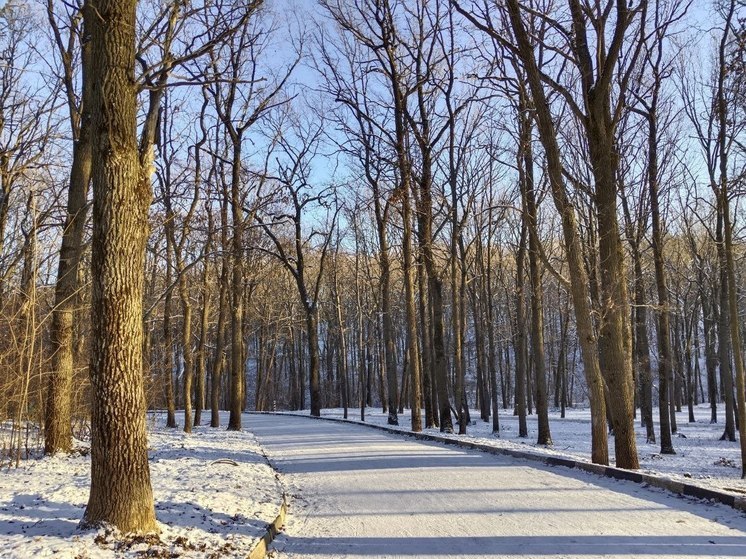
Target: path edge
676,487
259,551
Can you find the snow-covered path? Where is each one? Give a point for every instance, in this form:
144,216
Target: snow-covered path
356,492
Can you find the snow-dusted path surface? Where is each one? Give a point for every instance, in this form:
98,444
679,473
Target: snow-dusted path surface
356,492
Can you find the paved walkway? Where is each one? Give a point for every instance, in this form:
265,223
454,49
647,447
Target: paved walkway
357,492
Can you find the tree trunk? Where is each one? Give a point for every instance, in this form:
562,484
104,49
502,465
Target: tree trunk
237,355
616,363
724,338
199,391
186,348
219,358
121,493
642,351
313,361
725,251
526,169
413,352
426,353
389,343
735,332
457,318
578,276
58,415
521,352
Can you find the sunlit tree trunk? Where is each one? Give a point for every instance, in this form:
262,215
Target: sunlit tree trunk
121,493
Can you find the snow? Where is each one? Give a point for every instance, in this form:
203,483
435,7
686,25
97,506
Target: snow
214,495
359,492
701,458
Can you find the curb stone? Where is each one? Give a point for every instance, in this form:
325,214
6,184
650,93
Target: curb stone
677,487
260,549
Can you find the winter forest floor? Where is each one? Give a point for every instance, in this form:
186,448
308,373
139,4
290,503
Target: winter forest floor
215,492
214,496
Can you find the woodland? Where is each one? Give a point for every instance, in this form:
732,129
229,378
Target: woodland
445,206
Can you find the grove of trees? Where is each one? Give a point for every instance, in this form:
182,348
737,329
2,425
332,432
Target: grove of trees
450,206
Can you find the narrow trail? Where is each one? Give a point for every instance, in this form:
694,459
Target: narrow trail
356,492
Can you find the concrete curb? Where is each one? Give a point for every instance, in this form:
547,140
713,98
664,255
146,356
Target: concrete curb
260,549
676,487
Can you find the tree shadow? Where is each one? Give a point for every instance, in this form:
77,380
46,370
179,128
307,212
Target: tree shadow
28,515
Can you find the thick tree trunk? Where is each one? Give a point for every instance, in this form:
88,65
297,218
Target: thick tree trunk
435,290
121,493
664,328
735,333
614,332
725,250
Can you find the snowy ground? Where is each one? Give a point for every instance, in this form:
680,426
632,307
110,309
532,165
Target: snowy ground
361,493
214,495
701,458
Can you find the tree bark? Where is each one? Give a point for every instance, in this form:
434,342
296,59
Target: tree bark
121,492
58,413
219,357
58,416
237,361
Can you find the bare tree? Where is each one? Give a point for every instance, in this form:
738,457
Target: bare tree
241,99
293,178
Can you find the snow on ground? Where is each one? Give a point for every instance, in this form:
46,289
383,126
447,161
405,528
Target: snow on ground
701,458
362,493
214,496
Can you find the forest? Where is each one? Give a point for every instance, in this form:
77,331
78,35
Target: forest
451,207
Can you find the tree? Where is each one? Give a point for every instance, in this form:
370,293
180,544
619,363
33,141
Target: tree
293,177
664,16
121,493
723,194
579,280
241,99
58,420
